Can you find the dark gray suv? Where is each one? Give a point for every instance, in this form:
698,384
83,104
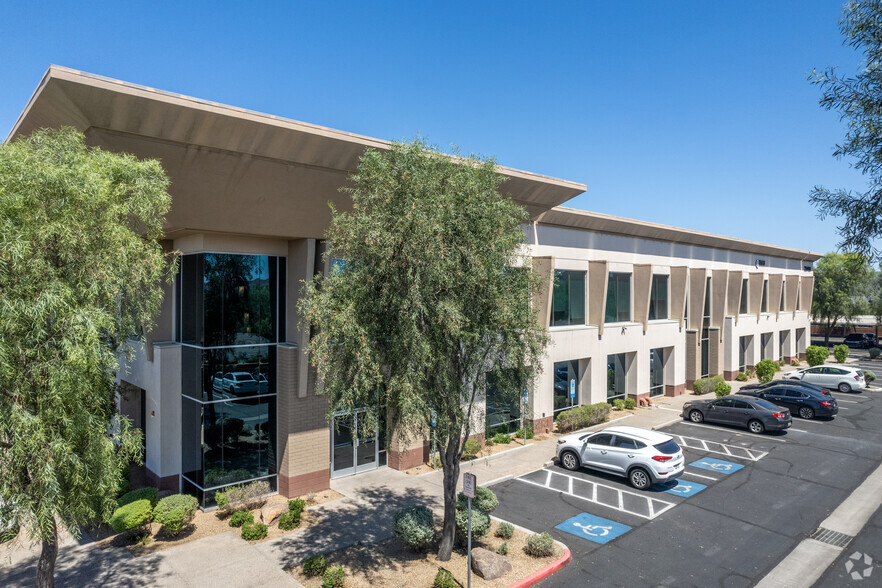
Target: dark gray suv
756,414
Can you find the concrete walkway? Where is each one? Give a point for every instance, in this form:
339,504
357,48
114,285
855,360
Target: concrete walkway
364,515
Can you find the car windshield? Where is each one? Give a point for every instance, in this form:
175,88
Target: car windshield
766,404
668,447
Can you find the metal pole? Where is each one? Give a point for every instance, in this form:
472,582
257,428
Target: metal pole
470,545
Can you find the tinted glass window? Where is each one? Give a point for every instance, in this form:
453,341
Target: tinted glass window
740,404
602,439
724,403
625,443
668,447
658,298
765,404
816,370
568,298
618,298
794,394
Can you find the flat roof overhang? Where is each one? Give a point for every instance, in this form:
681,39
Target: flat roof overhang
232,170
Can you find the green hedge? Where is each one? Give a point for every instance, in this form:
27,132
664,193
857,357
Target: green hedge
151,494
485,499
816,354
132,516
253,531
414,526
840,352
175,512
705,385
581,417
765,370
480,523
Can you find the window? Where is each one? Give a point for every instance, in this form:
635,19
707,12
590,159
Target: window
658,298
625,443
783,293
764,307
568,298
798,301
615,376
740,404
601,439
656,372
502,414
743,307
618,298
566,385
705,331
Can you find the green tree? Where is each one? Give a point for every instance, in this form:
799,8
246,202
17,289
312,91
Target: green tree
841,285
857,100
81,269
432,297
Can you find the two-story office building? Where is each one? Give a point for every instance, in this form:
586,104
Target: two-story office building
222,387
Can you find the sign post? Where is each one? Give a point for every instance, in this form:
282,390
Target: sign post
572,391
469,482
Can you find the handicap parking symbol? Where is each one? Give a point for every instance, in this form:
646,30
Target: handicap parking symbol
686,488
716,465
593,528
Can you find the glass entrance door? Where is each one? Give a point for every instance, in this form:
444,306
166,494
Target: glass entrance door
352,454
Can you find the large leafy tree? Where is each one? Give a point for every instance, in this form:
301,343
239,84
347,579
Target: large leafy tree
431,297
858,99
81,270
843,284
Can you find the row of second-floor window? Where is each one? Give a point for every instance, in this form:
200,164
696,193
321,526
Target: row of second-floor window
570,289
569,295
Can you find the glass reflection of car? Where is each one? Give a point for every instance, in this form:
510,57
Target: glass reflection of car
643,457
843,378
756,414
238,383
805,402
263,383
860,340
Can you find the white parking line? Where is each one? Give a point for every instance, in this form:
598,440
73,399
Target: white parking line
699,475
725,449
651,502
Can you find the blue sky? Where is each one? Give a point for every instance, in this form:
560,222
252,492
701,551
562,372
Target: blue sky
693,114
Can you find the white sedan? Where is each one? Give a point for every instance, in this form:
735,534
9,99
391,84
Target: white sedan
845,379
644,457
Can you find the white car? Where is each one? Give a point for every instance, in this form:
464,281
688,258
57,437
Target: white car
845,379
644,457
237,383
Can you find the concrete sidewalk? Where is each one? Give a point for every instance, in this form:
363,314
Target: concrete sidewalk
363,516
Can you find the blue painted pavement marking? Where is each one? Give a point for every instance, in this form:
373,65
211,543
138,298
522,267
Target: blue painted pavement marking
593,528
686,488
716,465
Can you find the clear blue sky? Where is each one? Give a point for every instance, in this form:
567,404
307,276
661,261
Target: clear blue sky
693,114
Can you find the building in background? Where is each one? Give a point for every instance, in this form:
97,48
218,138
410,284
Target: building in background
222,388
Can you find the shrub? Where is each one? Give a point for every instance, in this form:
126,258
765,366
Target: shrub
869,376
221,477
489,442
794,362
289,520
241,518
630,403
296,505
618,404
540,545
778,365
444,579
874,352
741,377
471,448
722,389
705,385
519,434
501,438
505,530
131,516
765,370
314,565
840,352
334,577
480,523
151,494
414,526
175,512
485,499
253,531
816,354
244,497
502,549
124,484
581,417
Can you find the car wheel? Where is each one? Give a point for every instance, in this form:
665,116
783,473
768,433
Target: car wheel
569,460
695,416
844,388
756,426
806,413
639,479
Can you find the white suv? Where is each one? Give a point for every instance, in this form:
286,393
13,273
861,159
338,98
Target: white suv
644,457
845,379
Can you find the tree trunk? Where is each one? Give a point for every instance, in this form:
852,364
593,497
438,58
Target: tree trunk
46,565
451,477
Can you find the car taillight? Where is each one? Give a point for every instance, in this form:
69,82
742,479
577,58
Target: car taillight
778,415
662,457
825,403
856,377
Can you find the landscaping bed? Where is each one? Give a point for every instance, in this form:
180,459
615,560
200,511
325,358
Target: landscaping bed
485,451
389,563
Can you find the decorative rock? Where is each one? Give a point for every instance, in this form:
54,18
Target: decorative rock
271,512
489,565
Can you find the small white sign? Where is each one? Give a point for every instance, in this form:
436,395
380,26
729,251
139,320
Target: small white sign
572,388
469,483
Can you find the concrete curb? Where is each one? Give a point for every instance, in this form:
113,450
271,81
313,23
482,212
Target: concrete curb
551,568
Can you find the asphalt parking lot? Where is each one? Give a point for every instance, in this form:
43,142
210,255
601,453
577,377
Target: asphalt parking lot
743,503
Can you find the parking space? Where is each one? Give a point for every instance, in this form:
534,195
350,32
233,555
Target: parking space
742,503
